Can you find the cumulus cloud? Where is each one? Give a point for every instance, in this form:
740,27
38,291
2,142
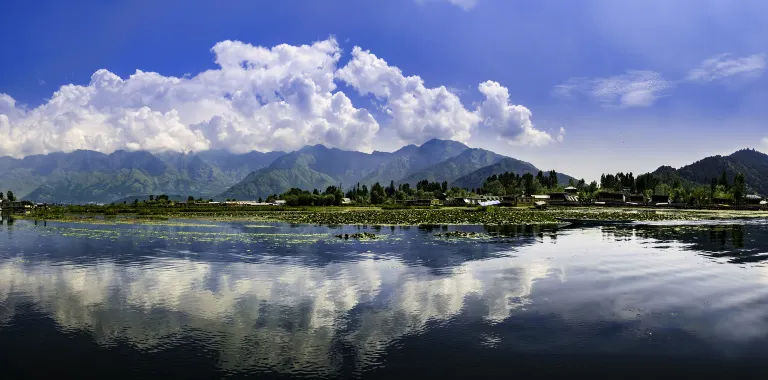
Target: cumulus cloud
258,98
726,65
419,112
636,88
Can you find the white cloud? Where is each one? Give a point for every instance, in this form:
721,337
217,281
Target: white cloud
278,98
511,122
259,98
636,88
419,113
726,65
465,4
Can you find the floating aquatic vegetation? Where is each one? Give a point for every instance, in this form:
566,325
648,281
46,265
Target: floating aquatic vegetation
459,234
425,217
357,236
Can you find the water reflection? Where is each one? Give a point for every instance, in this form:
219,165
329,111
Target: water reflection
283,299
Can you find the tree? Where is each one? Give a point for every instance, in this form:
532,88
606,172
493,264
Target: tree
151,197
739,189
1,196
552,179
444,186
260,201
724,180
190,199
378,195
528,183
390,190
11,197
494,188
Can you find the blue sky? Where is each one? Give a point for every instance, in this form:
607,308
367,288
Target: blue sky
632,84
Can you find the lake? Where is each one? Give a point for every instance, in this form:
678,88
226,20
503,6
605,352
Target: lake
194,299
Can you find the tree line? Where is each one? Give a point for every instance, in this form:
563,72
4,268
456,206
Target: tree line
9,196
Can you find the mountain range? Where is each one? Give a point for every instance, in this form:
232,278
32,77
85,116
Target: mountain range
751,163
87,176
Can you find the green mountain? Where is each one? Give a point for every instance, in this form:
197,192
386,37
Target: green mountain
476,178
411,159
753,164
312,167
87,176
455,167
319,167
265,182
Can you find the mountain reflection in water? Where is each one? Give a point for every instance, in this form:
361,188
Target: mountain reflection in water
196,299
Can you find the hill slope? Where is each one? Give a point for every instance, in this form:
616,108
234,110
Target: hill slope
88,176
753,164
476,178
411,159
455,167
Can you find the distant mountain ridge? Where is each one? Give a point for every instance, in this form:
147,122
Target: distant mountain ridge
87,176
751,163
318,167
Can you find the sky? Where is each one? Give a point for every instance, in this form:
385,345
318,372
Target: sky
583,87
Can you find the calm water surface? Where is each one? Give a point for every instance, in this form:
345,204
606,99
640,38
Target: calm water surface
194,299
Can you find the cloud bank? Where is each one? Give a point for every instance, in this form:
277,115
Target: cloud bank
419,112
259,98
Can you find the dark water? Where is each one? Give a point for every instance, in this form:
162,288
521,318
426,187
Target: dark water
212,300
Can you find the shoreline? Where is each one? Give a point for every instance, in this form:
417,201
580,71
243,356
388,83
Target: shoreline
410,217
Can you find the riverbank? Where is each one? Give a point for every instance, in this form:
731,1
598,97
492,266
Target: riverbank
413,217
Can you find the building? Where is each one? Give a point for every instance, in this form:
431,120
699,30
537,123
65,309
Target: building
529,200
637,199
721,201
657,199
422,202
563,199
508,200
610,197
279,202
571,190
753,199
8,207
346,201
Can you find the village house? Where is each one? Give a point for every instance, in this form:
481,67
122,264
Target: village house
421,202
563,199
529,200
659,199
571,190
610,198
638,199
508,200
753,199
16,207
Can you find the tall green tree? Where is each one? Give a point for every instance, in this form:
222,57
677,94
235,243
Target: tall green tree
552,179
10,196
378,195
724,180
739,189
